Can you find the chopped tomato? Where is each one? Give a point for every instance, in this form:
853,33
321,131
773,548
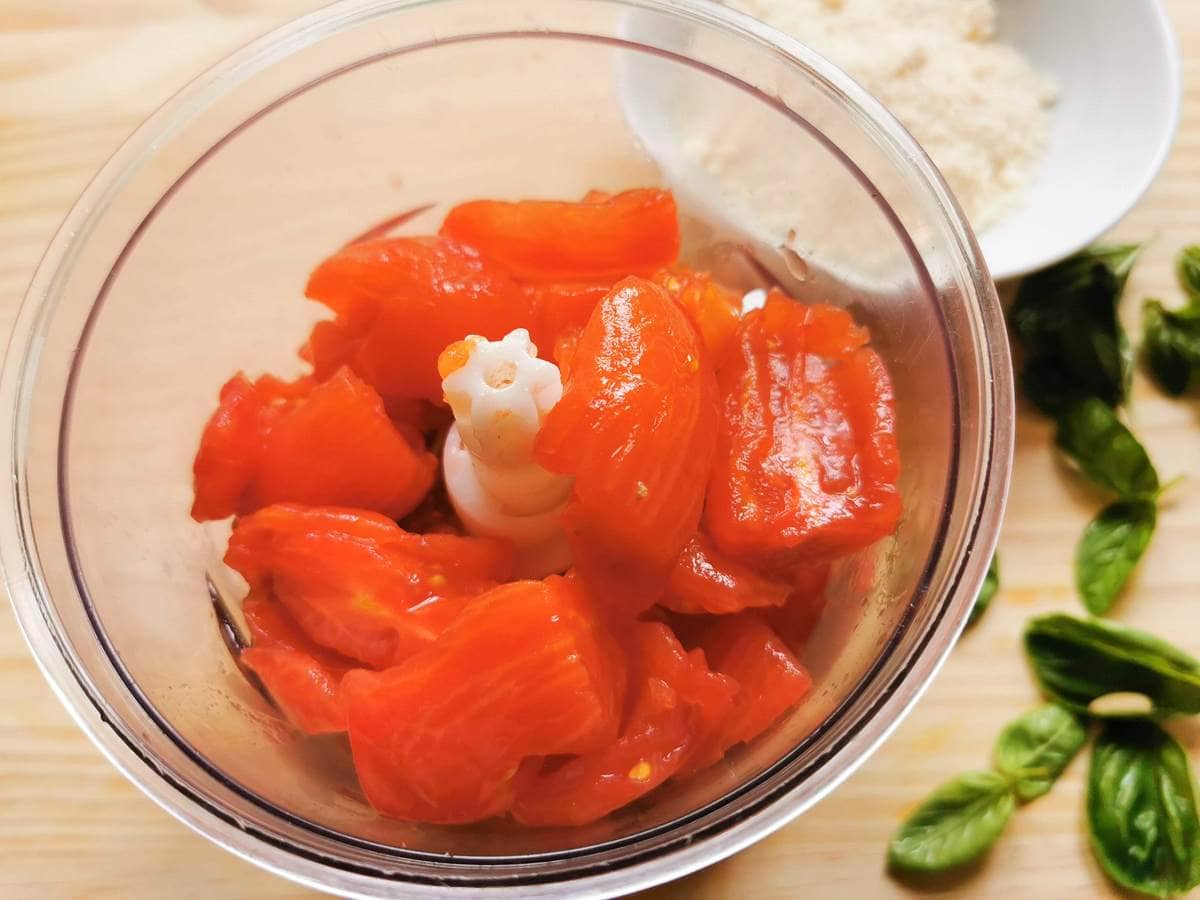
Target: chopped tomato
585,788
356,583
331,344
718,465
712,309
230,448
307,692
631,233
526,670
563,309
675,698
796,620
302,677
270,442
705,580
818,328
807,463
400,301
636,427
338,446
707,695
770,681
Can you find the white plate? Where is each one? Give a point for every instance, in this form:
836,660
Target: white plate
1116,65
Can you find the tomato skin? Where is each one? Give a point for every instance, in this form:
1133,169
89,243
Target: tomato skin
636,427
807,463
526,670
675,699
631,233
401,301
323,443
357,584
704,580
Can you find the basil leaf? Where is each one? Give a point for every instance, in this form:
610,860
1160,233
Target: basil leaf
1109,550
1171,340
1066,319
1033,750
1187,267
991,584
1078,660
1141,806
958,822
1046,384
1090,433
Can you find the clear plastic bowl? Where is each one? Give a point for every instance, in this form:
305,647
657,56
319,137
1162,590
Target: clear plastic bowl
185,260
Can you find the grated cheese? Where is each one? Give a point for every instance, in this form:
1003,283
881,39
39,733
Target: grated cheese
979,109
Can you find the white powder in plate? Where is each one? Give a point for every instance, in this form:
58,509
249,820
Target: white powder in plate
979,109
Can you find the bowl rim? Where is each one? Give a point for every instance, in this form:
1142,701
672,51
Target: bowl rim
27,587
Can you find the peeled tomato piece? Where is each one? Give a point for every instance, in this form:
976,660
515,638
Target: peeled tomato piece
303,678
526,670
807,465
712,309
797,619
636,427
356,583
401,301
676,700
705,580
770,681
609,236
327,443
338,446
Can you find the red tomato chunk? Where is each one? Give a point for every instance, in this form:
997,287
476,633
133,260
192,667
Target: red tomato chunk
719,465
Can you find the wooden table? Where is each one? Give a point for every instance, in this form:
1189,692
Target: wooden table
77,77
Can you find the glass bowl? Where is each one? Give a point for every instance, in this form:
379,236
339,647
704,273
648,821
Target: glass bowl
185,260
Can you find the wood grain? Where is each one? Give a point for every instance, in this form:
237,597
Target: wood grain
76,78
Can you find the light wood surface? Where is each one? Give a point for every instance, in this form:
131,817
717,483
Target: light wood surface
76,77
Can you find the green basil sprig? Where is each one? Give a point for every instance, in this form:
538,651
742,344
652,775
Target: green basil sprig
964,817
991,584
1077,661
1109,551
1078,368
1090,433
959,821
1187,269
1141,809
1066,318
1092,436
1171,339
1035,749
